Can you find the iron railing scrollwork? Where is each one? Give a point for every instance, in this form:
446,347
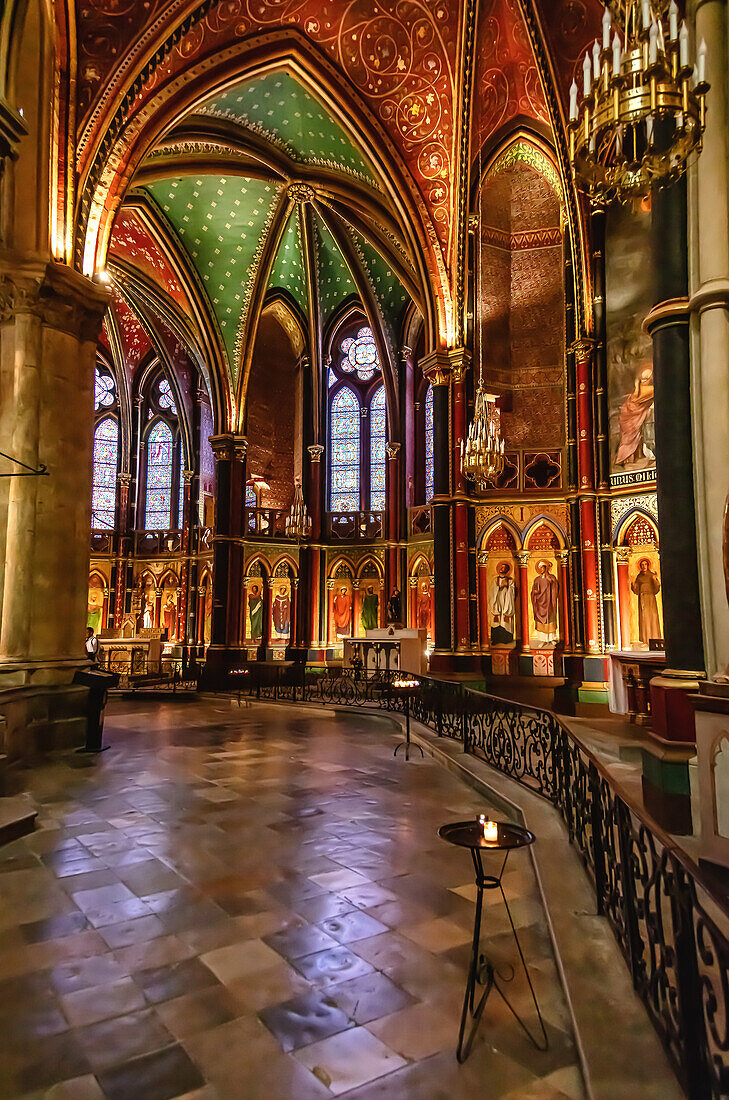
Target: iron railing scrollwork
670,923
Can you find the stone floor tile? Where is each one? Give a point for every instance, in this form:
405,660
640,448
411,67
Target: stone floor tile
353,926
162,1075
418,1031
305,1020
349,1059
370,997
199,1011
167,982
293,943
239,960
335,964
112,1042
84,973
86,1006
440,934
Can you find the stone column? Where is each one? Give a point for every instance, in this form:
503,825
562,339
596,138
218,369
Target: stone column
564,596
188,477
668,326
436,368
582,349
51,318
392,522
226,649
316,633
709,305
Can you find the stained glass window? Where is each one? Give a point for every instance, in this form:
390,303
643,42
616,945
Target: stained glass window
360,355
103,493
250,495
104,394
158,503
429,444
165,397
378,435
181,491
344,452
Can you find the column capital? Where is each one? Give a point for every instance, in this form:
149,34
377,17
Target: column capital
187,476
61,298
622,553
316,450
523,556
228,446
582,346
562,556
482,557
393,449
439,365
405,353
124,479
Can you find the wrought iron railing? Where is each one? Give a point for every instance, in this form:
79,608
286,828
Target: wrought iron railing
165,674
669,920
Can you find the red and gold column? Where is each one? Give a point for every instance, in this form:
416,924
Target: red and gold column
564,595
523,556
460,507
483,599
622,555
587,500
392,520
315,552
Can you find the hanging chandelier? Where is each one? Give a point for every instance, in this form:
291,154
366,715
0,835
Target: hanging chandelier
298,521
482,452
643,106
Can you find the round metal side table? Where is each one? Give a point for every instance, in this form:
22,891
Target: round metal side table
470,834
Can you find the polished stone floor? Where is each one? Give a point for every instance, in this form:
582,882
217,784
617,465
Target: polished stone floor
253,902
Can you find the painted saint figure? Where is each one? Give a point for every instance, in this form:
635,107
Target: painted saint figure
423,607
281,611
393,608
646,587
370,609
544,595
503,606
633,415
342,607
169,617
255,612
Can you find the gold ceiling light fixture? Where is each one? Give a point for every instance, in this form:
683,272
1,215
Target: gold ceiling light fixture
482,451
642,111
298,521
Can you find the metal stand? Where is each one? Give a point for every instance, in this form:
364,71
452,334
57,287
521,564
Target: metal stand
407,742
482,972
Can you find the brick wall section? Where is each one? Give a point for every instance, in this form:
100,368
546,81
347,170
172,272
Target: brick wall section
522,306
270,414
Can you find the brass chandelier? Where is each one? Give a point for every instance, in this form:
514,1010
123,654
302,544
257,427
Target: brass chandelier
298,521
643,106
482,452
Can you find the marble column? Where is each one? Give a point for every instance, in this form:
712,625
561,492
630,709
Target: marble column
709,305
668,325
226,648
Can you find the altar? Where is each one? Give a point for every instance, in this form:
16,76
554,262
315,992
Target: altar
388,649
132,654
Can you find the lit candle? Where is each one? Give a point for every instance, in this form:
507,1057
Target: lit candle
646,14
683,45
587,74
653,44
616,55
673,20
596,59
490,829
701,63
573,102
606,21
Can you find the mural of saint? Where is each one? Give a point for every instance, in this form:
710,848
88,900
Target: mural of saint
255,611
208,614
146,620
503,606
394,607
646,587
169,616
370,609
281,611
423,605
95,608
632,418
342,609
545,595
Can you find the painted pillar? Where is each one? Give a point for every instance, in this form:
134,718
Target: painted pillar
668,325
436,368
483,599
461,509
315,553
587,512
226,645
120,544
709,305
523,556
186,568
392,522
564,596
622,556
409,410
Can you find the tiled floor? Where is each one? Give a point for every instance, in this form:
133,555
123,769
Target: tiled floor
253,902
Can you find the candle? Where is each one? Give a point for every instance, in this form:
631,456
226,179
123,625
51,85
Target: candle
596,59
683,45
673,20
701,63
653,44
490,829
646,14
616,55
587,74
573,102
606,20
